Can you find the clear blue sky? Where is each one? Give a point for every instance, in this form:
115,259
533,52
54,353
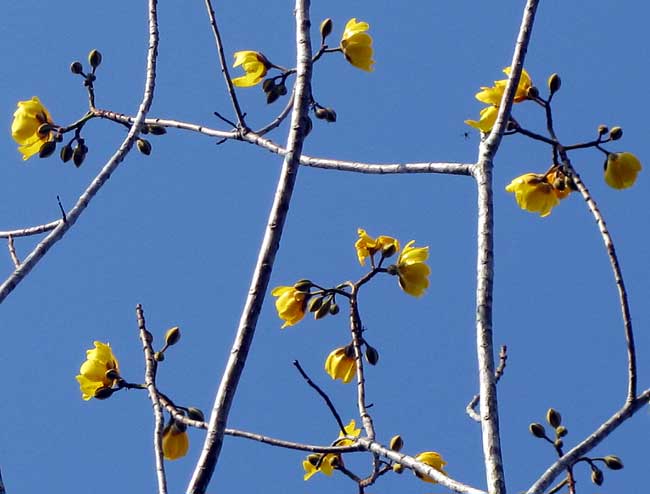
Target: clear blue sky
179,232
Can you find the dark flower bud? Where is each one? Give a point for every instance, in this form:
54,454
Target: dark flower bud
195,414
66,153
553,417
303,285
372,355
314,304
616,133
602,130
44,129
554,83
326,28
559,443
159,356
76,68
597,475
613,462
47,149
561,431
94,58
79,155
103,393
157,130
324,309
537,430
326,114
334,308
272,95
533,92
396,443
268,84
172,336
144,146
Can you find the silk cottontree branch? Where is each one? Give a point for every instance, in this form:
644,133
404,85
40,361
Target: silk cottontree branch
485,265
270,245
73,215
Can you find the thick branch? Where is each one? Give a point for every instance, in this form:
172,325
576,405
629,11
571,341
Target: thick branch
485,267
62,227
270,244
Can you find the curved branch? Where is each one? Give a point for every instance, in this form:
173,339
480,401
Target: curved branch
82,203
270,245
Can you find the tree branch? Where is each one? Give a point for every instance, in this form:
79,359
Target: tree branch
270,245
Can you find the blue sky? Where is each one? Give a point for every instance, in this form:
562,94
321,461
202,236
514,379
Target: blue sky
179,232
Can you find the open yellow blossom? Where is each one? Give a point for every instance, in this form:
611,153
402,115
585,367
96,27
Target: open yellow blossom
175,441
254,64
340,366
432,459
412,272
357,45
325,464
533,193
28,117
621,170
290,304
486,120
92,374
367,246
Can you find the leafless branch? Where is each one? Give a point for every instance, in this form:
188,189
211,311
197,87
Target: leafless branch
32,230
270,245
471,406
12,251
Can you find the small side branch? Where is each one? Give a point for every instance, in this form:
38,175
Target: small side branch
32,230
471,406
150,383
12,251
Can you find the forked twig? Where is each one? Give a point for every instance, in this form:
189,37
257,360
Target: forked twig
471,406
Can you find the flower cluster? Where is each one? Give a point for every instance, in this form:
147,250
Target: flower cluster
31,127
492,97
99,372
326,463
540,193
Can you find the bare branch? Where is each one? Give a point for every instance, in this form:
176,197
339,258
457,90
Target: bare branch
32,230
12,251
150,383
82,203
485,266
471,406
355,326
270,245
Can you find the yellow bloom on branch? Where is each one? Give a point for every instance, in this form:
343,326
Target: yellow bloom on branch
28,118
291,304
175,441
367,246
357,45
432,459
93,372
327,463
534,193
412,272
254,64
340,366
621,170
486,120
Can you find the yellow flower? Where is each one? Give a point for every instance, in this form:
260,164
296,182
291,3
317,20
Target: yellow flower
533,193
357,45
432,459
290,304
29,116
325,464
340,366
412,272
367,246
175,441
486,120
92,377
621,170
254,64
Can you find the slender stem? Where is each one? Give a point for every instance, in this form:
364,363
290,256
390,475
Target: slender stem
150,382
270,245
62,227
12,251
224,65
32,230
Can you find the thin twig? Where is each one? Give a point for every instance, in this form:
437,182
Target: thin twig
224,65
32,230
323,395
262,274
62,227
150,382
12,251
489,409
471,406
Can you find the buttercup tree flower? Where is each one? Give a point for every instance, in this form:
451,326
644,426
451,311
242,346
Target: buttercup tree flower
254,64
291,304
175,440
28,118
318,463
94,373
356,45
340,366
412,272
621,170
367,246
533,193
432,459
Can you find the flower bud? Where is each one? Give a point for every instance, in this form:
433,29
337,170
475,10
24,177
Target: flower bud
326,28
268,84
602,130
537,430
159,356
303,285
561,431
76,68
398,467
195,414
533,92
307,124
372,355
558,443
103,393
324,309
157,130
326,114
79,155
314,304
281,89
554,83
272,95
47,149
172,336
396,443
616,133
597,475
44,129
553,417
334,308
112,374
613,462
94,58
144,146
389,250
66,153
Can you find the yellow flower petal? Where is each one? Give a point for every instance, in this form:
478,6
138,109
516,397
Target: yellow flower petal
356,45
621,170
432,459
290,304
254,64
533,193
